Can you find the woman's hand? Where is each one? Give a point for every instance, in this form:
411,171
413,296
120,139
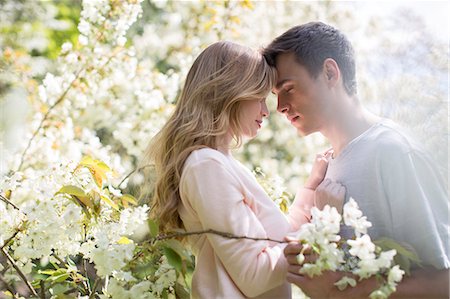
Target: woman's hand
329,193
318,170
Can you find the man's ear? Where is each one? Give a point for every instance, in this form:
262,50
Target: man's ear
331,71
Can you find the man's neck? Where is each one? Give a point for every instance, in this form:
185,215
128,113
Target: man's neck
347,126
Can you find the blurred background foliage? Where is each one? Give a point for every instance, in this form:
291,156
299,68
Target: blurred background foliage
402,67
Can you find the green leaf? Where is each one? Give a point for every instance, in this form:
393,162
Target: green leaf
154,227
72,190
71,263
58,275
177,247
77,194
58,278
173,258
47,272
129,198
405,256
110,202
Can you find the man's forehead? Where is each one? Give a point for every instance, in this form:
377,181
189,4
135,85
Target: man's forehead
281,81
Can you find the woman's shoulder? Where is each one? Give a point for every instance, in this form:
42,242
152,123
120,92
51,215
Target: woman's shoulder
205,155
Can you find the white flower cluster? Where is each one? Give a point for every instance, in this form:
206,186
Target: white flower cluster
107,246
10,220
54,226
117,289
93,21
360,256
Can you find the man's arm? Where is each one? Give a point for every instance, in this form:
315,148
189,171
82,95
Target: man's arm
423,283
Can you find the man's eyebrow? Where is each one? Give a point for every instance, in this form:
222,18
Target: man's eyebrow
280,83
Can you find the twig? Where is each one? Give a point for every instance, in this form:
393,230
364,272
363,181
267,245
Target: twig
25,280
7,201
212,231
10,238
42,284
133,171
60,99
92,294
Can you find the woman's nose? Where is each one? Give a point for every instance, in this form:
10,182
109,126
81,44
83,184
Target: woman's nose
264,110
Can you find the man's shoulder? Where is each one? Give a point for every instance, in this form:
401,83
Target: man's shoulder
389,136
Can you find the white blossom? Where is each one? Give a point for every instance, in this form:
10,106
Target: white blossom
362,247
353,217
395,274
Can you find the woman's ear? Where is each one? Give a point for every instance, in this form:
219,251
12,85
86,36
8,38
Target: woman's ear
331,71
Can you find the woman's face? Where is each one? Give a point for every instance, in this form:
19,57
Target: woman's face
251,115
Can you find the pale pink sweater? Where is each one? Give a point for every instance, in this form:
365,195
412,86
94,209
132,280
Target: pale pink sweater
219,193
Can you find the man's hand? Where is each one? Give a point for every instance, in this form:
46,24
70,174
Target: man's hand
321,286
316,287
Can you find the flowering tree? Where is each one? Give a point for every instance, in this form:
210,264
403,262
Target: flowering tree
70,220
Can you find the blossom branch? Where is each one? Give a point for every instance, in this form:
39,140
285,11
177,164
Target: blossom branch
129,174
25,280
215,232
11,238
7,201
60,99
41,124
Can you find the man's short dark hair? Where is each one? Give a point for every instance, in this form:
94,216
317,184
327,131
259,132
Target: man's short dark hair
312,43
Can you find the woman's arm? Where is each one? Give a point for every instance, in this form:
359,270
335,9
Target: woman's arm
316,192
220,203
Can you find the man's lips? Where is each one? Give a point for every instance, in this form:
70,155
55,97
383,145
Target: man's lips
259,122
293,118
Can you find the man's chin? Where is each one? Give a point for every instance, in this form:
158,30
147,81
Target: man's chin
303,133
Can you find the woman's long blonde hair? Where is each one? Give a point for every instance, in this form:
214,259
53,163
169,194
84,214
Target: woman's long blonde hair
223,75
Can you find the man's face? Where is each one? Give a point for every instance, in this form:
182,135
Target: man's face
301,97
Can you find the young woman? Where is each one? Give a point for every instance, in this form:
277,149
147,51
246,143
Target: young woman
201,186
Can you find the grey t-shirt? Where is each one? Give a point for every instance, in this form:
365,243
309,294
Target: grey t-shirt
396,186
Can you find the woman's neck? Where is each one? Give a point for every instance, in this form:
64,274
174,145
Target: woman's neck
223,144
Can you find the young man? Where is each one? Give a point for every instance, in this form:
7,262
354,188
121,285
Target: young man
383,169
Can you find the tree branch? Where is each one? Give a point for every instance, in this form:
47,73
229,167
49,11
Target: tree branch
60,99
7,201
25,280
10,238
133,171
212,231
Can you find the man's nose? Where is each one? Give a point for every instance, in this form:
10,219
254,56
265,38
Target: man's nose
281,106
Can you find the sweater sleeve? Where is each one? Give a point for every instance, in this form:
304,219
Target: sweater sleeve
220,202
